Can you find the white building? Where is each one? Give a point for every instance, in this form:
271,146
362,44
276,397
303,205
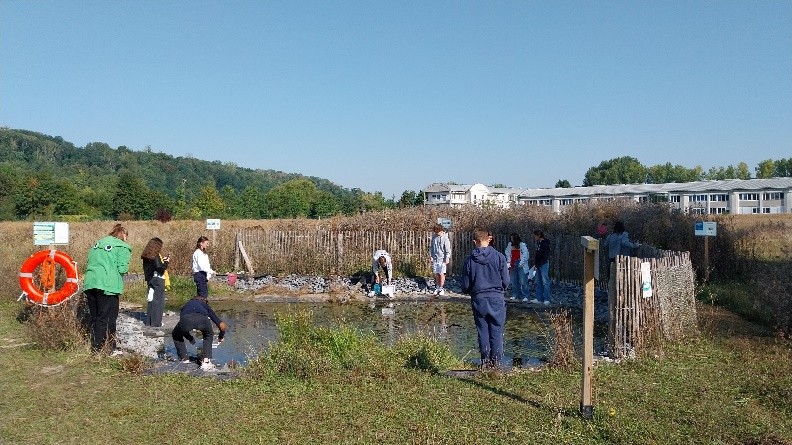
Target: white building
457,195
736,196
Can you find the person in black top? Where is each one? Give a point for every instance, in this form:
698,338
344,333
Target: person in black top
542,268
154,267
196,314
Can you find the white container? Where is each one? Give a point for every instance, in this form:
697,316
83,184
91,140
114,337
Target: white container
389,290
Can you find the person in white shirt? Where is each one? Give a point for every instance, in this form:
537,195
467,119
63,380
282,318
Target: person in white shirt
202,271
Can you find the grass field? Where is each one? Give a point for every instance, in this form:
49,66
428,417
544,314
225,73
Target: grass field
730,385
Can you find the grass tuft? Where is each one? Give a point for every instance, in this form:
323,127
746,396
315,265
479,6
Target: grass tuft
57,328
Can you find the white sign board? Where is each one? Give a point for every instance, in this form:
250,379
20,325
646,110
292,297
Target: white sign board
646,280
706,228
212,224
445,222
47,233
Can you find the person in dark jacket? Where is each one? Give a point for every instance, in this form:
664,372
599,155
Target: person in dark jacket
485,277
542,268
154,268
197,314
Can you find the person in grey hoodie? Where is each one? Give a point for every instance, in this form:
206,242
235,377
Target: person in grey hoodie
439,257
485,277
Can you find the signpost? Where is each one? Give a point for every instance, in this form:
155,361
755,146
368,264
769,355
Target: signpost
213,225
50,233
445,222
590,248
706,229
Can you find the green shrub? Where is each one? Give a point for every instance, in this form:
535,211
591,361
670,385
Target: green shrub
426,353
306,350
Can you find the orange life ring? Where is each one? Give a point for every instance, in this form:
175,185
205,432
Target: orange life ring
46,259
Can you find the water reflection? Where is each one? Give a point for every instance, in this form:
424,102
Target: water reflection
252,326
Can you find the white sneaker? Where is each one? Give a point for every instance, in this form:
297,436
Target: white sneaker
116,353
512,298
441,293
525,300
185,361
436,291
535,301
208,366
371,294
547,303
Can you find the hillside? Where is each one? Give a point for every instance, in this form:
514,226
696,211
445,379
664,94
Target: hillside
45,176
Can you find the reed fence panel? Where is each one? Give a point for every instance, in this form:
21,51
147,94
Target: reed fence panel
669,313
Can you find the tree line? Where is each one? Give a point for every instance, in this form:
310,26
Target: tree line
628,170
43,176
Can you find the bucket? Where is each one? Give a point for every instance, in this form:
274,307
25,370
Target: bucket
231,278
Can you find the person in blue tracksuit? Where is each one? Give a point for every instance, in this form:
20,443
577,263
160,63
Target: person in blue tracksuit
196,314
485,277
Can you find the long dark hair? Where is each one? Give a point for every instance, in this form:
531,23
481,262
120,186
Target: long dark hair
618,227
152,249
515,240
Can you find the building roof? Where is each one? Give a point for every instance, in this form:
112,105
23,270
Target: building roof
728,185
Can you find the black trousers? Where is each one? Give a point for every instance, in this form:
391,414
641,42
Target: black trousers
182,331
104,314
157,306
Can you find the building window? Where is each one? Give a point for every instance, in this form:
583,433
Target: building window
719,210
545,202
676,198
749,197
719,198
773,196
698,198
698,210
566,202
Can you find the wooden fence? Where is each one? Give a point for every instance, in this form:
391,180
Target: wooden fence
634,320
670,311
329,253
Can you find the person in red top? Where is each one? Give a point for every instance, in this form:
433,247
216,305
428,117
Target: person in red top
517,259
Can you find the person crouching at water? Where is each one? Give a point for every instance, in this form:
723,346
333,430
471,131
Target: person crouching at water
196,314
202,271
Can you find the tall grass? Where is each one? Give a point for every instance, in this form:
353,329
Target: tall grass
307,351
755,249
58,327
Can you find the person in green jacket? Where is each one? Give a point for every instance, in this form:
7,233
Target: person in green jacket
108,260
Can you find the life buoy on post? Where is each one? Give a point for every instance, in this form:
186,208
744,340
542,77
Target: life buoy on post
47,259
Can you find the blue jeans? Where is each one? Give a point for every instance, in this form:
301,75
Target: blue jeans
489,313
543,283
519,283
201,283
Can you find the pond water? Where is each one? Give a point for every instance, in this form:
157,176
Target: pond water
253,325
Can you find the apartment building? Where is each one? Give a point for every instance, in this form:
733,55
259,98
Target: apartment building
736,196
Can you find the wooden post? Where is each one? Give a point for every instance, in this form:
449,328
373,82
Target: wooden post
706,258
236,251
591,245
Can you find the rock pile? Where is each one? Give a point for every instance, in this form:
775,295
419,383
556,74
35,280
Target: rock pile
569,295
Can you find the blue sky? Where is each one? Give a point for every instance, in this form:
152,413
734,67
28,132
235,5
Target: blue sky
392,96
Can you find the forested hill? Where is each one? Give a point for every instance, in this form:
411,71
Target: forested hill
45,176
